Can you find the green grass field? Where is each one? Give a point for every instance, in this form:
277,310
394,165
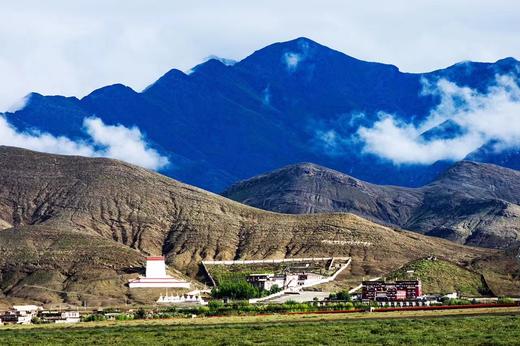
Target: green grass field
277,330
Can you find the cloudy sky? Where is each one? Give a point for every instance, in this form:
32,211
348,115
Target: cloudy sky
72,47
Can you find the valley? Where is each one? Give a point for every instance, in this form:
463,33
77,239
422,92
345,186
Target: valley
85,225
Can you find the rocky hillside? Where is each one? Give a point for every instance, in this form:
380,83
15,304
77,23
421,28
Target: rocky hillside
83,226
471,203
440,276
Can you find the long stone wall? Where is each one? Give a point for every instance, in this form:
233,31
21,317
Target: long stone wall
285,260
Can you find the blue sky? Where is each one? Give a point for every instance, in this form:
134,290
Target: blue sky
73,47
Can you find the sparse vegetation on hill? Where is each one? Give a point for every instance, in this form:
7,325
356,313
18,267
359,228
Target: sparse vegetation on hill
92,221
440,276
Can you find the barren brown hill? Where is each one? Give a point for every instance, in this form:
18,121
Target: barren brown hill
471,203
83,226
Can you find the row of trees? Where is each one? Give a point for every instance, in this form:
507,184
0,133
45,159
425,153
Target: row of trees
341,295
218,308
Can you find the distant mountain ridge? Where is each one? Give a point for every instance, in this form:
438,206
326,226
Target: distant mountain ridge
471,203
225,122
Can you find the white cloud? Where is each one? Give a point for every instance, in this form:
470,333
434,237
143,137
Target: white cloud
331,143
42,141
116,142
291,61
72,47
494,115
266,96
120,142
225,61
19,105
401,143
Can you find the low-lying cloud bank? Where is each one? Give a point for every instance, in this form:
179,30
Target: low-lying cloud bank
483,117
112,141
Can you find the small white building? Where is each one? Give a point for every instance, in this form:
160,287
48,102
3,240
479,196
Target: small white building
27,309
69,317
21,314
54,316
156,276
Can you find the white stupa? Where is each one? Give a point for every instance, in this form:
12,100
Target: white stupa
190,298
156,276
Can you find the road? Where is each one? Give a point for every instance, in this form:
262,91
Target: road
303,296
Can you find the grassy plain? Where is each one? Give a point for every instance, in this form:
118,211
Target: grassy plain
498,326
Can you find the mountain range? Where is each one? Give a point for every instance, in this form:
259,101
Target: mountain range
75,229
295,101
471,203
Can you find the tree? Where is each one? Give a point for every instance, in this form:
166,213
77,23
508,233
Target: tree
140,314
274,289
215,304
237,289
343,295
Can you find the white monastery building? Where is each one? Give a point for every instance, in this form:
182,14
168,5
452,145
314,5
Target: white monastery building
156,276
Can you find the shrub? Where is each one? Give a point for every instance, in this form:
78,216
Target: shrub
140,314
36,320
203,310
342,306
274,289
215,304
170,309
94,317
505,300
455,301
343,295
124,317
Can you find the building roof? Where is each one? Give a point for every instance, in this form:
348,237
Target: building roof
155,258
26,307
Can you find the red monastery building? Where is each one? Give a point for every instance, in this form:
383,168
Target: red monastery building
391,291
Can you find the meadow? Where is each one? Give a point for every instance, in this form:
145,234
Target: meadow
394,329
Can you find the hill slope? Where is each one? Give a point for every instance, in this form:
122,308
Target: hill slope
471,203
288,102
439,276
84,225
